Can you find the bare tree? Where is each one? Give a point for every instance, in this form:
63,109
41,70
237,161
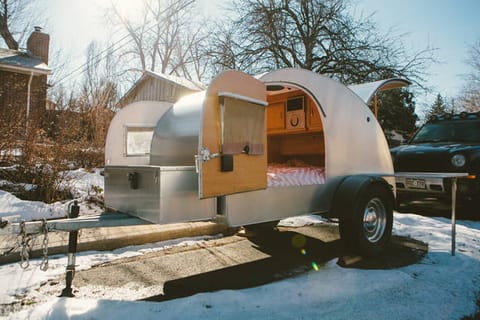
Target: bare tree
82,117
470,95
318,35
163,39
98,88
226,50
98,95
16,18
7,12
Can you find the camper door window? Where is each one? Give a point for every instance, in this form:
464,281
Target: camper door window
243,127
138,141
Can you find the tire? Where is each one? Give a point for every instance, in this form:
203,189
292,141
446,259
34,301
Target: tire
368,229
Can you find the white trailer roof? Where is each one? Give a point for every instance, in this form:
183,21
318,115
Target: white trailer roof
354,140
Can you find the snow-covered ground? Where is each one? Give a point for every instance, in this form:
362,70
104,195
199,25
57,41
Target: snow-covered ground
84,184
440,286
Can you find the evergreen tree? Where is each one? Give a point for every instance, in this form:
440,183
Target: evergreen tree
438,107
396,111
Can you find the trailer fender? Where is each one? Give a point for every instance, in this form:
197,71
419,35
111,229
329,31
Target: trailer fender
350,189
364,205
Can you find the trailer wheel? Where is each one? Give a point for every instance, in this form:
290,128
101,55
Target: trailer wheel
368,229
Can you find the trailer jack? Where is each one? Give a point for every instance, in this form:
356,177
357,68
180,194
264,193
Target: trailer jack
72,251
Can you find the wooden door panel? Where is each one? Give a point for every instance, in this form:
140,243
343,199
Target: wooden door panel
249,170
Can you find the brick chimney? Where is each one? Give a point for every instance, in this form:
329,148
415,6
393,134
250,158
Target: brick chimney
38,44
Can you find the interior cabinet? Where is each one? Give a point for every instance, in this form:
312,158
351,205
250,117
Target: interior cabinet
276,116
314,122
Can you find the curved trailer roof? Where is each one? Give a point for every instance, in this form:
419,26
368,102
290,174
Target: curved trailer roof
354,141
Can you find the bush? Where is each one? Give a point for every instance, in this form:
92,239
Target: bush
38,176
41,151
48,184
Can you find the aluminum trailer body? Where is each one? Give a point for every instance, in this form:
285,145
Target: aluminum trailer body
208,154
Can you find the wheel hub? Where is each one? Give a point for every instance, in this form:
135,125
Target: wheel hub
374,220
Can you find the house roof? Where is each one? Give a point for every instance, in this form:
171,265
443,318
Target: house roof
192,85
22,62
179,81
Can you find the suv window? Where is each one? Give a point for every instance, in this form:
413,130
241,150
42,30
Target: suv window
449,131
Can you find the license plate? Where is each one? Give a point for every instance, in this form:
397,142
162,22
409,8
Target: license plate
414,183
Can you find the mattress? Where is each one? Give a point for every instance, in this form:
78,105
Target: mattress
285,175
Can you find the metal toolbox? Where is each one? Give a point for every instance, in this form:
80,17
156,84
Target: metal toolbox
157,194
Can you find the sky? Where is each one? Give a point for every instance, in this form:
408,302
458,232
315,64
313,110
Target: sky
421,290
448,25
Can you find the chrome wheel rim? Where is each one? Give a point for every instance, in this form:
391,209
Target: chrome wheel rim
374,220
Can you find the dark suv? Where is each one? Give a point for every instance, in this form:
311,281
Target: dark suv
447,143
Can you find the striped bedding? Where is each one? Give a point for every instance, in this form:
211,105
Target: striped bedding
283,175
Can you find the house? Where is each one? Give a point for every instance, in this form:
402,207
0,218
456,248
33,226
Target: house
159,87
23,79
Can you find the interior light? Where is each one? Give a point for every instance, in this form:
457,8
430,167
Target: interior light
274,87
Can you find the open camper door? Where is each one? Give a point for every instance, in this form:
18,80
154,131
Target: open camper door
232,154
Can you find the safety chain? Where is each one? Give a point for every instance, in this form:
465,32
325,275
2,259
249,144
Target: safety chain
44,264
24,242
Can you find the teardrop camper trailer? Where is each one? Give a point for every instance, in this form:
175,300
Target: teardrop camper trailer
249,151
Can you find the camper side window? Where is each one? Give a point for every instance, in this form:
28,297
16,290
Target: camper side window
138,141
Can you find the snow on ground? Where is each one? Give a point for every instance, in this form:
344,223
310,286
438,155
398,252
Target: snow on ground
29,210
83,184
440,286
